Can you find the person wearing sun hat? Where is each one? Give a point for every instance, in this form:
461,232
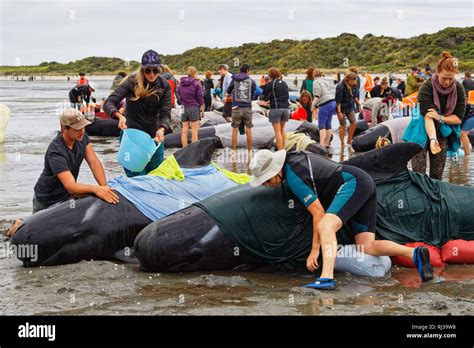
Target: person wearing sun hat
148,100
334,194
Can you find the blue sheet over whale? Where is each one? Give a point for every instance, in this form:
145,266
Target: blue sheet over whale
157,197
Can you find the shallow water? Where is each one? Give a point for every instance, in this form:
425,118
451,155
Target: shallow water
102,287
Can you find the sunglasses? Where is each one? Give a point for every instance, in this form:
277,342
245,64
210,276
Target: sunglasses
149,71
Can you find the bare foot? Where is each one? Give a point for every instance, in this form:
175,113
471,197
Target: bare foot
11,231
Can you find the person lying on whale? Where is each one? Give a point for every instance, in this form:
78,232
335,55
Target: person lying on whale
334,194
58,180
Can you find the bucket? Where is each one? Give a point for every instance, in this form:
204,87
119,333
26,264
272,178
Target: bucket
4,116
136,150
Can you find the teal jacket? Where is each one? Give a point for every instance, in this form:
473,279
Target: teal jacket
416,132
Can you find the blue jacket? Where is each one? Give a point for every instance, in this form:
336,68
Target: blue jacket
416,132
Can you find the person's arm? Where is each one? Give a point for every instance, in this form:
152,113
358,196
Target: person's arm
200,95
317,212
266,92
356,99
95,165
254,90
338,99
164,115
425,99
103,192
230,88
317,92
87,95
112,103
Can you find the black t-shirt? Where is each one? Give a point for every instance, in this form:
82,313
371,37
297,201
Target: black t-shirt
59,158
208,85
468,85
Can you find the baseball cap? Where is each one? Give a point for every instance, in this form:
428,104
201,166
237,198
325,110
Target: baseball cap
74,119
151,59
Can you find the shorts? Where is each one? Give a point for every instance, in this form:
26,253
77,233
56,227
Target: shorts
278,115
325,114
242,114
356,200
191,114
468,125
350,115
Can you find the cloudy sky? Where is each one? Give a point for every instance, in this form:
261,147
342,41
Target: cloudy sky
32,31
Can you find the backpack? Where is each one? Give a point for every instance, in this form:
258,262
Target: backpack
243,91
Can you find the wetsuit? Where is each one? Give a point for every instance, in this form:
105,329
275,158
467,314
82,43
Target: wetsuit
342,190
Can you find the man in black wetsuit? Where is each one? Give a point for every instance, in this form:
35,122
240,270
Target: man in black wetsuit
334,194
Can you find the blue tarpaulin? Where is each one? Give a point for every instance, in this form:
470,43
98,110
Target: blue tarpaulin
157,197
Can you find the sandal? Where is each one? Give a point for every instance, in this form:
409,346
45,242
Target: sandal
322,284
421,259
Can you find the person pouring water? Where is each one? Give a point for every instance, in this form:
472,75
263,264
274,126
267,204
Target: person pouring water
148,99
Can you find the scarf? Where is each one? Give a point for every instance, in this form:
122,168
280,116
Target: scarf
451,92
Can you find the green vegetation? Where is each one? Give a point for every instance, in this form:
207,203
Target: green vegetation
372,53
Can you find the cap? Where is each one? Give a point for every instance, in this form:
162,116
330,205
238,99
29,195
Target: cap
150,59
74,119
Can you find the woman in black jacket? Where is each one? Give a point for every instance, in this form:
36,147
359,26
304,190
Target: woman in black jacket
277,94
148,106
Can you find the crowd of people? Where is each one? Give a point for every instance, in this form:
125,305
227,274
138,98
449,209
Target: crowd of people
334,194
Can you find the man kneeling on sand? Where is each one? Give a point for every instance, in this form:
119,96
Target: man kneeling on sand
58,180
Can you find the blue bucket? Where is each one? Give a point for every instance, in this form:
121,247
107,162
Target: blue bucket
136,150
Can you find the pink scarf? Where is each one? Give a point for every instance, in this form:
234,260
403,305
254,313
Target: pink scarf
451,92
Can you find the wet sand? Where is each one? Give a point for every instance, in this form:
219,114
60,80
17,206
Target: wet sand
103,287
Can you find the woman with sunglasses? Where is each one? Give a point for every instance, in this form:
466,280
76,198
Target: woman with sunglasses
148,99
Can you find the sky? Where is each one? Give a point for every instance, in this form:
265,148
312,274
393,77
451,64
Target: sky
36,31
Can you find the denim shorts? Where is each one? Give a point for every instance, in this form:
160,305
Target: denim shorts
468,125
278,115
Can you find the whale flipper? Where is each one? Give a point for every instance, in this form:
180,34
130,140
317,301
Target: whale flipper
387,161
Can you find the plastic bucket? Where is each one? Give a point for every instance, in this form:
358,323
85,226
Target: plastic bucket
136,150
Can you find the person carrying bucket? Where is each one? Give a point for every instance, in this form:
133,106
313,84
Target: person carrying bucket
148,99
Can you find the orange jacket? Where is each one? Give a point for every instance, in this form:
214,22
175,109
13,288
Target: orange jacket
411,100
369,83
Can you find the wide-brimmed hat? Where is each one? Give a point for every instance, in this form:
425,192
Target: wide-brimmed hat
265,165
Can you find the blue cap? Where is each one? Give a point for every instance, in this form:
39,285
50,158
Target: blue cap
150,59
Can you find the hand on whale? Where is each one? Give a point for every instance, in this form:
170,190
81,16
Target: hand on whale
89,228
